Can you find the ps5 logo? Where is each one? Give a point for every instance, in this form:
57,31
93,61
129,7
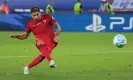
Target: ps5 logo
96,26
115,22
120,22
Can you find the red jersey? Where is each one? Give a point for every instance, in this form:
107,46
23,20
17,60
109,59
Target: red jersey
42,29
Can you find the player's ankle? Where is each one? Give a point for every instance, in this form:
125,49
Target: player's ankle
27,67
51,61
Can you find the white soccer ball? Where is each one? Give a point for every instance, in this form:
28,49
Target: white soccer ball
119,40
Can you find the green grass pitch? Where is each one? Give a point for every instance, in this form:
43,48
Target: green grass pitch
79,56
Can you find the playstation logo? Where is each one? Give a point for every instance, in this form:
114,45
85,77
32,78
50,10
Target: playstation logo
97,24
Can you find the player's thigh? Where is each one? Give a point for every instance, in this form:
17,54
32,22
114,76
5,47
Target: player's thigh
51,47
45,47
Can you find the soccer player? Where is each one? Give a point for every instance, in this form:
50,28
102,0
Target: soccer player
46,39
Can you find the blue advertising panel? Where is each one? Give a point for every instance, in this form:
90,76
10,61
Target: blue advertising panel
75,23
111,23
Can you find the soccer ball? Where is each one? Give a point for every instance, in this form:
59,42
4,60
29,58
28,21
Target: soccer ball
119,40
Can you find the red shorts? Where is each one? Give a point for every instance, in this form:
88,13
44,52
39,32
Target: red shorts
46,43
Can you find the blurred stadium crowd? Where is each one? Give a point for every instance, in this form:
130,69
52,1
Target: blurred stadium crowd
109,6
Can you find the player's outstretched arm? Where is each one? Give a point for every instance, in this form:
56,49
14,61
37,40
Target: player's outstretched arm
20,36
57,33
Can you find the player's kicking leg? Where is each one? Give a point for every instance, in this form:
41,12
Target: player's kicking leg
46,51
52,63
36,61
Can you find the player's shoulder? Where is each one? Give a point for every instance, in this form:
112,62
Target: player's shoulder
48,5
46,15
49,16
30,23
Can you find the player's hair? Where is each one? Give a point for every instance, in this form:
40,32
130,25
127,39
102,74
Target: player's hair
34,9
78,0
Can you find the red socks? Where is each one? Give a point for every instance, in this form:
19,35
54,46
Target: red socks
36,61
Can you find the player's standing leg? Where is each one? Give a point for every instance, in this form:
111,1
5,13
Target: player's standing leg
36,61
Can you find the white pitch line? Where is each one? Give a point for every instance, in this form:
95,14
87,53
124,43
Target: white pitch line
1,57
15,56
96,52
116,52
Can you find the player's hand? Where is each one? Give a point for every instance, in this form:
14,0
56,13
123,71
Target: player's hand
13,36
56,39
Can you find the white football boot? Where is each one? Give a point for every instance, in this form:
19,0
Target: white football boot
26,70
52,64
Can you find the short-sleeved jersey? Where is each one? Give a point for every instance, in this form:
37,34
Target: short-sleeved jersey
42,29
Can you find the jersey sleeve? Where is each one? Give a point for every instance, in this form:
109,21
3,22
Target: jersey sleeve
52,20
28,30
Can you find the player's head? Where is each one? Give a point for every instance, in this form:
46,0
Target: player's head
103,1
51,3
35,13
79,1
5,2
